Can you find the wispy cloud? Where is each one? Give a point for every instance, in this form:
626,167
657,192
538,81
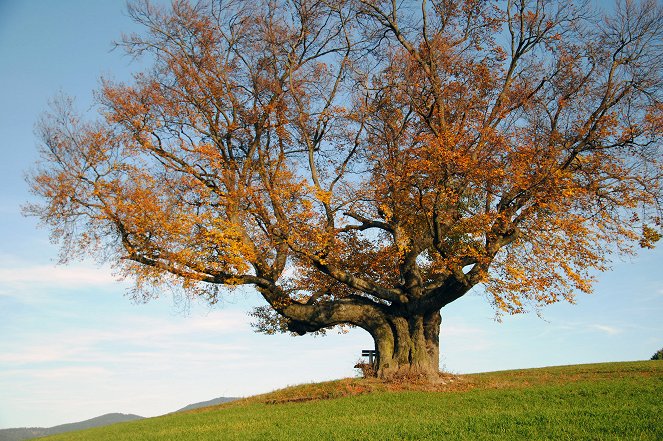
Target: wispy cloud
74,275
71,372
137,335
40,353
40,283
606,329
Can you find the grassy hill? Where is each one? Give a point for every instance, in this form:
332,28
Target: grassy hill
599,401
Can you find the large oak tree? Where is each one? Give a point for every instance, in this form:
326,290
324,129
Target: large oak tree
367,162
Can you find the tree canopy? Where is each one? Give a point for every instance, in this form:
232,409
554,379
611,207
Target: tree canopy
367,162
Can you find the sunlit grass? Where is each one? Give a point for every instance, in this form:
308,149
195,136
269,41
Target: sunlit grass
604,401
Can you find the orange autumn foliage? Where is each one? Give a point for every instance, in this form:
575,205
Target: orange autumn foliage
363,163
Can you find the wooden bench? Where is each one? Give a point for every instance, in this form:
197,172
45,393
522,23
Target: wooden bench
370,353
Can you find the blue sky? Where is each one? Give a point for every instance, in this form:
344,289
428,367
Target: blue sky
74,346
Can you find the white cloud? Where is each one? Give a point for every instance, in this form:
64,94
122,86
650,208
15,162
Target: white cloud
141,336
35,354
71,372
67,276
610,330
37,283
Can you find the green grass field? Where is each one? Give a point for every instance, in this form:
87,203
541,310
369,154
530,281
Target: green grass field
593,402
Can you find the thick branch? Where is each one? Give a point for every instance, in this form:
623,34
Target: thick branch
352,310
206,275
366,224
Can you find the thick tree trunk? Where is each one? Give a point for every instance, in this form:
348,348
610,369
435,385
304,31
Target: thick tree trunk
409,347
407,342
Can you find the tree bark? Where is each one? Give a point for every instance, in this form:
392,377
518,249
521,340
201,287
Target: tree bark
409,347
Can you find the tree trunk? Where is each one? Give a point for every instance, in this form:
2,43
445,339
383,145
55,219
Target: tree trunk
409,347
407,342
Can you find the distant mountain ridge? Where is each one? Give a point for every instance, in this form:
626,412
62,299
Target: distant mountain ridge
208,403
24,433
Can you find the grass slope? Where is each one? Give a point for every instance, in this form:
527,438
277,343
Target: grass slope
600,401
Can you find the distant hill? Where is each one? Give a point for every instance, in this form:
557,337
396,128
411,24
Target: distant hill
23,433
212,402
104,420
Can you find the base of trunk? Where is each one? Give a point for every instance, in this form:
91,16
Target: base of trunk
399,373
409,348
392,372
